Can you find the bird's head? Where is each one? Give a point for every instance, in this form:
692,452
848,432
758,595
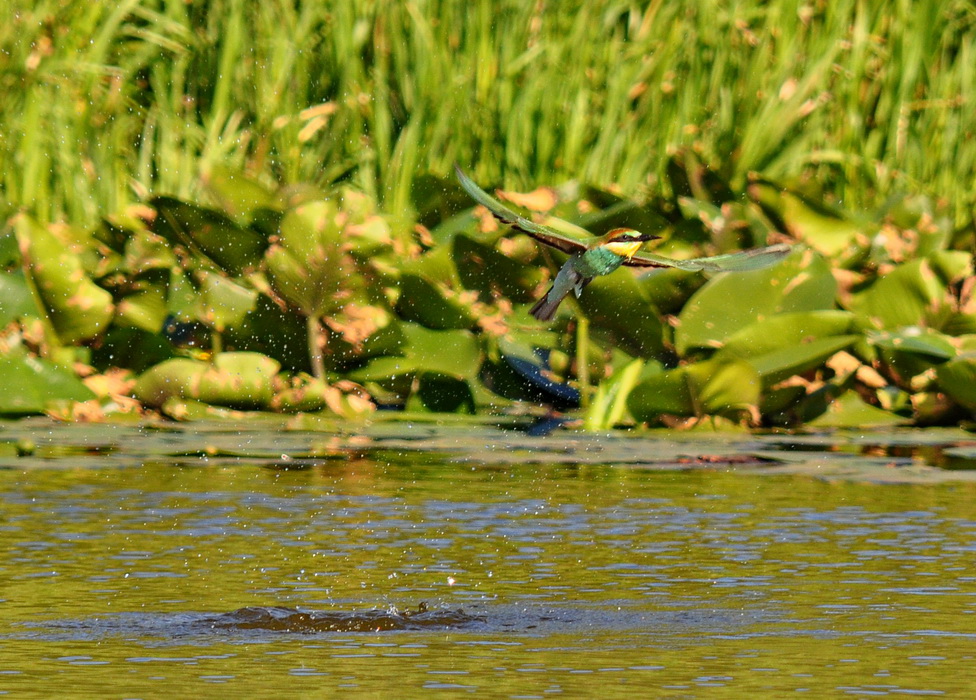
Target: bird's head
625,242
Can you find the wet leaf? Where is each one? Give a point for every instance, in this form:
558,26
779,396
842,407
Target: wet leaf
850,411
146,251
146,306
301,392
669,289
829,232
238,195
608,407
209,233
787,344
78,309
429,293
957,378
452,352
15,297
912,294
31,385
223,302
618,305
442,393
310,269
704,388
730,302
233,379
787,330
484,269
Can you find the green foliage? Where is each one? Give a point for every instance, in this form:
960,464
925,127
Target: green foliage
271,177
868,99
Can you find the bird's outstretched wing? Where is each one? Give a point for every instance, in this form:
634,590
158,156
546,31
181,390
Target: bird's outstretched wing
754,259
731,262
541,233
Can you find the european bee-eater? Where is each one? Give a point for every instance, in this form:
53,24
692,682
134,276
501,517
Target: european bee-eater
604,255
601,257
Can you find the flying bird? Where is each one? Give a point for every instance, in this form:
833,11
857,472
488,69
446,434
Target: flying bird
601,256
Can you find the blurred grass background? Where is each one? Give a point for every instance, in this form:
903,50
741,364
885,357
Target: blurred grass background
106,102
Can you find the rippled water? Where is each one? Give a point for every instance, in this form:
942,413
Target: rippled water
397,572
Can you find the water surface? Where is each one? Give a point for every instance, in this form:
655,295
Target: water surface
527,568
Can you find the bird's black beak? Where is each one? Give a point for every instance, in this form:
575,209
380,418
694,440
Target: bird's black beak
644,237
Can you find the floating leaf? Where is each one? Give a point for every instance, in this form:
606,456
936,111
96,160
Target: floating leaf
957,378
827,231
727,303
704,388
210,233
301,392
238,195
484,269
669,289
850,411
15,297
30,385
233,379
428,293
145,306
619,307
787,330
441,393
912,294
787,344
310,269
609,406
222,302
77,308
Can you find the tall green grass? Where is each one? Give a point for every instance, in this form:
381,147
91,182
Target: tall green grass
104,102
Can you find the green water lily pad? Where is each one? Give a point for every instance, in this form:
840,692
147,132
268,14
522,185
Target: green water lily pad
31,385
15,297
442,393
669,289
222,302
452,352
912,294
618,305
608,407
788,344
238,195
301,392
786,330
850,411
77,307
483,268
777,365
309,268
429,293
828,231
912,351
704,388
957,378
146,306
233,379
209,232
730,302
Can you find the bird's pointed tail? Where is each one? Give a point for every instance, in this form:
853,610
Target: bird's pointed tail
568,280
545,308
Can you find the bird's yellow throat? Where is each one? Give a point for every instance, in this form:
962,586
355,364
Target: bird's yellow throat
625,249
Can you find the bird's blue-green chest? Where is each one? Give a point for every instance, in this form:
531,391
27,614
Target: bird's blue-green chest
596,262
